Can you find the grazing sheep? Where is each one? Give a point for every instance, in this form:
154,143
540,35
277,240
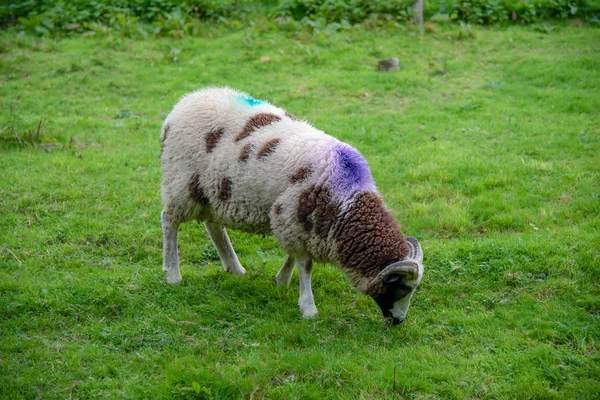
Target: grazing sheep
232,161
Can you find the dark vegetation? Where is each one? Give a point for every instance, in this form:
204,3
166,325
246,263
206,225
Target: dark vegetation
143,18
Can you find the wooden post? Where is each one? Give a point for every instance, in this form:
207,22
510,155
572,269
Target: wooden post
418,9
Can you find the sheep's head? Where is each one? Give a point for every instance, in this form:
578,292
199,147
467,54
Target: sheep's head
393,288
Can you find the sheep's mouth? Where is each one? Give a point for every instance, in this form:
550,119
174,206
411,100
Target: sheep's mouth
389,317
394,320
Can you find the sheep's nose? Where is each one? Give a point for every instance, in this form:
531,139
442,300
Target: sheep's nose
396,321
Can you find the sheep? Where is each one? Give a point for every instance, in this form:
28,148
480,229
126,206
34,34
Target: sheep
231,161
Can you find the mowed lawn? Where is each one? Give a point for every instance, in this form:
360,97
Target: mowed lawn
485,146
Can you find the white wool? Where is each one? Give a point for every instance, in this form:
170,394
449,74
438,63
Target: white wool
257,185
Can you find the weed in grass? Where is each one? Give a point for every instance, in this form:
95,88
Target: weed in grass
15,133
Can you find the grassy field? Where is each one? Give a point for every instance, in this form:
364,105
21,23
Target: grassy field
485,145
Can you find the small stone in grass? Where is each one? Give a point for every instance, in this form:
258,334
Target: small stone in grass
388,64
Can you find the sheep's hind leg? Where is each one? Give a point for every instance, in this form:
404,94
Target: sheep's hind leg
306,300
170,255
285,273
219,237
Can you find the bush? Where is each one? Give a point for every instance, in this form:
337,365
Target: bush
526,11
353,11
176,18
67,13
481,12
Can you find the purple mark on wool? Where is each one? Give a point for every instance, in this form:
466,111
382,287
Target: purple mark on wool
349,171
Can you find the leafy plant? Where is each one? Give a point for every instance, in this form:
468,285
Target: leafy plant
139,18
353,11
200,391
30,137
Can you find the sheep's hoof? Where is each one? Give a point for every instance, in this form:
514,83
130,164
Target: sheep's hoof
310,313
238,270
308,310
173,278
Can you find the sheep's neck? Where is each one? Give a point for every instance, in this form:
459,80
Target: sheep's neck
367,239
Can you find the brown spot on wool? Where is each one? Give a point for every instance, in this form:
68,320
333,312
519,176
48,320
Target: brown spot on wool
368,237
256,122
267,149
301,175
292,116
317,211
246,150
224,189
212,138
277,209
196,192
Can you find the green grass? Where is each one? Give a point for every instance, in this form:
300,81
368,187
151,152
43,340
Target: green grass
486,149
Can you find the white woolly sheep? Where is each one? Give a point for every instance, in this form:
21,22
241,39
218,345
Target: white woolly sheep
232,161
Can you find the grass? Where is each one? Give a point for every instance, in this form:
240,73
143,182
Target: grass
485,146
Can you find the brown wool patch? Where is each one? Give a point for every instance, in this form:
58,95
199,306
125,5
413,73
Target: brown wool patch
256,122
292,116
368,236
267,149
246,150
277,209
317,211
196,192
212,138
301,175
326,216
306,206
224,189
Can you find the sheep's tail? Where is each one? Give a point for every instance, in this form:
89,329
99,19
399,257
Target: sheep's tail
163,133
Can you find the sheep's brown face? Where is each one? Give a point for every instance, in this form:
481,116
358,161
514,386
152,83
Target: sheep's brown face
398,283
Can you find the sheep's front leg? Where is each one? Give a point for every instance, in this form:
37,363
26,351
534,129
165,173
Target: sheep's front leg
170,255
285,273
219,237
306,300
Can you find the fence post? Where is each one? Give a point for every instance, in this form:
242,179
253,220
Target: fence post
418,9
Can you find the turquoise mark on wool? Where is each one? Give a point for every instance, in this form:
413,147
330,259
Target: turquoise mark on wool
250,101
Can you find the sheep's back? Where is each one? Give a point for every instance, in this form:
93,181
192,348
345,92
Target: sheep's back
238,156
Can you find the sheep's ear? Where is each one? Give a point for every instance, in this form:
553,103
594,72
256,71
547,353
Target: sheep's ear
399,271
415,251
